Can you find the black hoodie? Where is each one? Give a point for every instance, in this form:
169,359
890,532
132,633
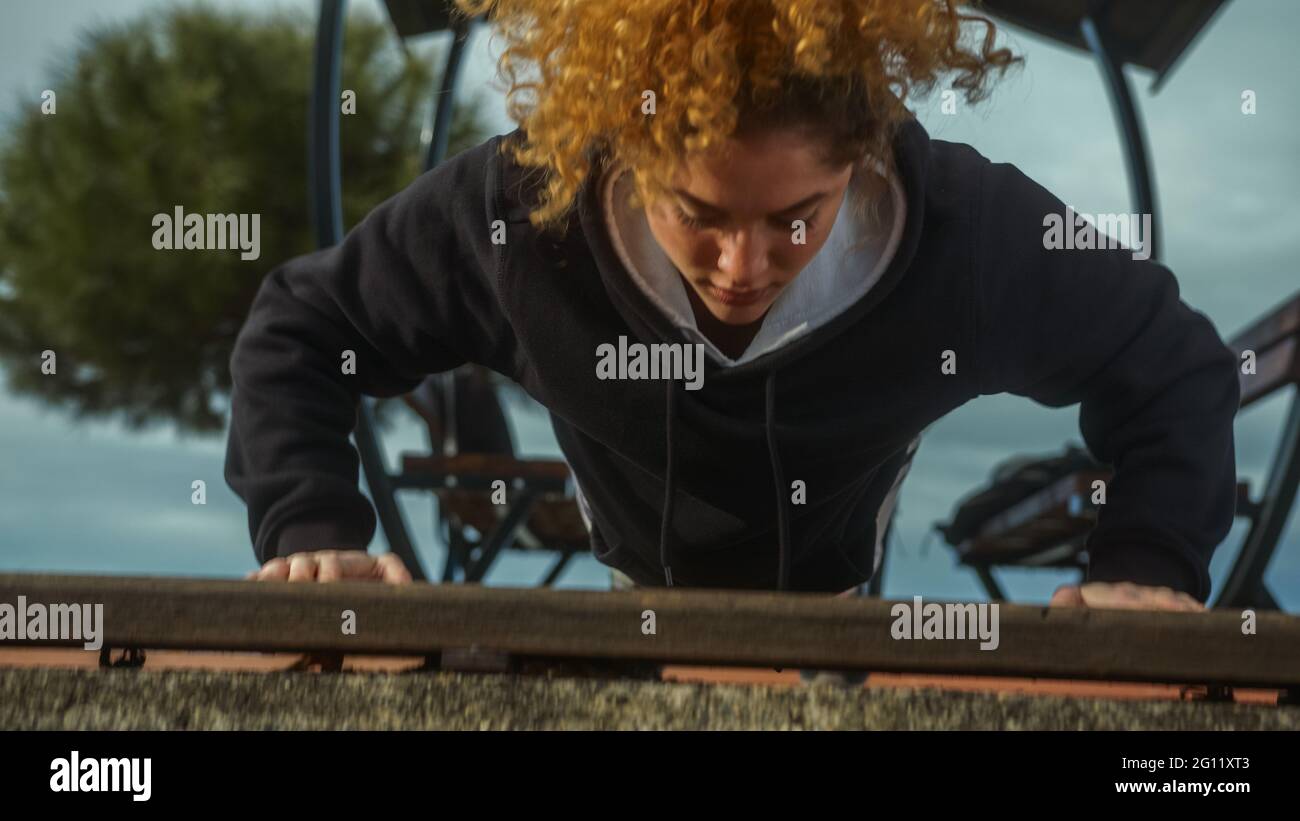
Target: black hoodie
696,487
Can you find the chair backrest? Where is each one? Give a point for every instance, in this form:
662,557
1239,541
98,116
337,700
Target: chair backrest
1275,342
463,412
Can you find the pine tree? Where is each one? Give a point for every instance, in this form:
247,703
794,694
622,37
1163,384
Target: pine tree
195,107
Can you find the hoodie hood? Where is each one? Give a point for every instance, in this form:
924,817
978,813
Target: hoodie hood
658,311
841,272
655,322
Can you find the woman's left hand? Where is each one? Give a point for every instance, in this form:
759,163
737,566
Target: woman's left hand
1124,596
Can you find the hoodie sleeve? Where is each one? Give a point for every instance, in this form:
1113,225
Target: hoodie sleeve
405,294
1156,386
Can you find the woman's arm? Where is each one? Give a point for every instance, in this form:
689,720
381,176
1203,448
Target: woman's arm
404,295
1156,385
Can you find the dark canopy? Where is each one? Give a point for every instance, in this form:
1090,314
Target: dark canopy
412,17
1148,33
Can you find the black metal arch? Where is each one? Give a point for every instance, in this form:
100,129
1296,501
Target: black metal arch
325,182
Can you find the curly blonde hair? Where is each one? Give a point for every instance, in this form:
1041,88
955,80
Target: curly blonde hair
838,70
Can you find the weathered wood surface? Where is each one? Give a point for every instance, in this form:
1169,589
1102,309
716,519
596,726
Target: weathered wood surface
691,627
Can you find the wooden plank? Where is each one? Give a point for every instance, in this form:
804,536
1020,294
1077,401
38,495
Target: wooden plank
1275,368
1269,330
692,627
487,466
1274,339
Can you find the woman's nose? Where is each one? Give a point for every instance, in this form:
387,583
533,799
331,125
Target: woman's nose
743,257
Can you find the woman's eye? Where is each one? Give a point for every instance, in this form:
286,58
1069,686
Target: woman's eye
696,223
687,220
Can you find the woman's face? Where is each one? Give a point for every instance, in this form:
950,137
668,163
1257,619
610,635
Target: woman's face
728,223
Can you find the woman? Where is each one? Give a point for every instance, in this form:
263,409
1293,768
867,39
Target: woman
743,279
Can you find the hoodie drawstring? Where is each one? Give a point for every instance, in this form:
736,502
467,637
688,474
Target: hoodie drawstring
669,412
782,517
782,513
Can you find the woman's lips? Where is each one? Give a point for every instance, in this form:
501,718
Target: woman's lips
727,297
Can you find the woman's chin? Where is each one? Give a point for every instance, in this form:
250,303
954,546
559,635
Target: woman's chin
738,314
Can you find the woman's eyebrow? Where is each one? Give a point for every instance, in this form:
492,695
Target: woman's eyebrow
696,202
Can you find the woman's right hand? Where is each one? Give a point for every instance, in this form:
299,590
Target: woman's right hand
333,566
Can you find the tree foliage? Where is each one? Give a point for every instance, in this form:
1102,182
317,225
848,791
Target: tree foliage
200,108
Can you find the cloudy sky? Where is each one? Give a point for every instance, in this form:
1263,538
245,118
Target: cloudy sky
95,498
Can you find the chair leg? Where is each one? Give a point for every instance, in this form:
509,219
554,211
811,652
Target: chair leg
501,537
991,585
1262,598
557,568
456,551
877,581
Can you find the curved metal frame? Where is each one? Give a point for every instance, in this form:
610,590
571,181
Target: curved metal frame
325,180
1141,186
1245,584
